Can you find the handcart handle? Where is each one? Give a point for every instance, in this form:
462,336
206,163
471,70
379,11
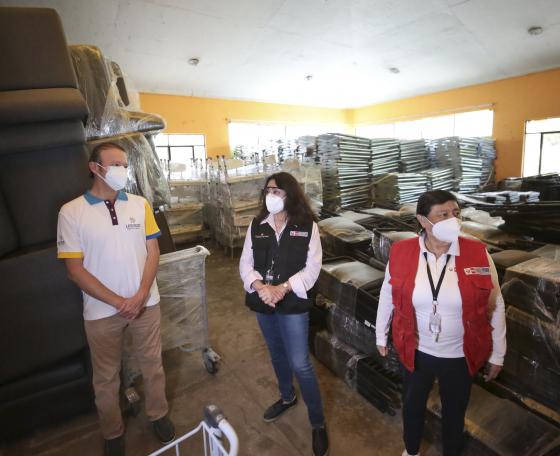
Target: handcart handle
230,434
214,417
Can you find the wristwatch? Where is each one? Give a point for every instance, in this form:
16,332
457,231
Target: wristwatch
285,285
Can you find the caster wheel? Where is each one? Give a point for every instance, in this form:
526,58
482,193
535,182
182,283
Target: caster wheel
211,365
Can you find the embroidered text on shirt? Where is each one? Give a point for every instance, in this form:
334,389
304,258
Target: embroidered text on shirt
477,271
299,233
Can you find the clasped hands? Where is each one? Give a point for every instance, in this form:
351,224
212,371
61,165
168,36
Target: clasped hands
132,307
270,294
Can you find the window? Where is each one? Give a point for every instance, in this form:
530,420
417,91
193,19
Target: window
464,124
247,138
541,152
180,153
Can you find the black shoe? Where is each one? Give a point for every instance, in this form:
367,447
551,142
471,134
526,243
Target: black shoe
164,429
277,409
114,447
320,441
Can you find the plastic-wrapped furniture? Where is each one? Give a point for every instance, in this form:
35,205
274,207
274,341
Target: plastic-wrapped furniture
508,258
113,116
340,235
185,214
531,291
181,281
383,240
103,85
44,373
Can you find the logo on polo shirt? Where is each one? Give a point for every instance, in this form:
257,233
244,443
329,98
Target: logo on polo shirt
133,225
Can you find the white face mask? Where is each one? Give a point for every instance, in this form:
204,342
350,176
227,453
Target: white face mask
116,177
447,230
274,204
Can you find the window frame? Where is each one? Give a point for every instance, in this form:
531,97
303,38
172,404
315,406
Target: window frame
541,142
170,148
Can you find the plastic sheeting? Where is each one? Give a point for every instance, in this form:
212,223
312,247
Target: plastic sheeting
482,217
508,258
233,199
184,214
344,229
534,287
104,88
340,234
498,426
114,115
551,251
383,240
146,177
528,378
184,318
339,321
335,354
340,280
531,292
360,372
489,234
308,174
536,339
187,191
346,328
354,216
379,386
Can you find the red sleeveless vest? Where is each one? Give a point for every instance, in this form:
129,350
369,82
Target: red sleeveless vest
475,290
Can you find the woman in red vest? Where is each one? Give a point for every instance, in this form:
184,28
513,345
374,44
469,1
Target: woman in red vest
448,319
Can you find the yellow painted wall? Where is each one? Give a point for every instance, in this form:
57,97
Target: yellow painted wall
515,100
210,116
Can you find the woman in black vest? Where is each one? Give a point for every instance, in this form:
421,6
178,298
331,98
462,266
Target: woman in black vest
279,266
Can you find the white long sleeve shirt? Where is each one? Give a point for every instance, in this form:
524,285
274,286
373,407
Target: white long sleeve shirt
450,341
302,280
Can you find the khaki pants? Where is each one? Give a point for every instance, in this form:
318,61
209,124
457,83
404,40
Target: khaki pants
105,338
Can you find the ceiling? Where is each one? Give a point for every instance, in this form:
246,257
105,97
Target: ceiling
263,50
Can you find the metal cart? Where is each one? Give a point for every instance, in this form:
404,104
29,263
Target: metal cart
181,281
214,427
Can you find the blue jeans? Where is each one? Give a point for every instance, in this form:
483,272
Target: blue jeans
287,337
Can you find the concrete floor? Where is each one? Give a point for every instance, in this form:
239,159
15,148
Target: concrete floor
244,386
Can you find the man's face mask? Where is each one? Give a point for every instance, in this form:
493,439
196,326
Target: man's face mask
116,176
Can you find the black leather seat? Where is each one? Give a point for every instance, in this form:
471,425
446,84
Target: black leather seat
44,370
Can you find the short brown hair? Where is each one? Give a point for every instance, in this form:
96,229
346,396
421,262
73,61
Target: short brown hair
96,152
95,155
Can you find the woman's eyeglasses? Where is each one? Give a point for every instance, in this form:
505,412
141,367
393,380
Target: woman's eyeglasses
274,191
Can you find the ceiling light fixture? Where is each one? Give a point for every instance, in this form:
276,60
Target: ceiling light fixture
309,77
535,30
394,70
194,61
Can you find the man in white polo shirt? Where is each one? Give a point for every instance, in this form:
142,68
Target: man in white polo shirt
108,240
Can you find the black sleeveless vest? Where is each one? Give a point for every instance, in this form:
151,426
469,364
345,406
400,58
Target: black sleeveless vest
286,257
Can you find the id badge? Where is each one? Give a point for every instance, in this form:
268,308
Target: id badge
269,277
435,325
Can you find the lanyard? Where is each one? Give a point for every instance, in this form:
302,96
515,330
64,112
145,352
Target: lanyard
435,290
